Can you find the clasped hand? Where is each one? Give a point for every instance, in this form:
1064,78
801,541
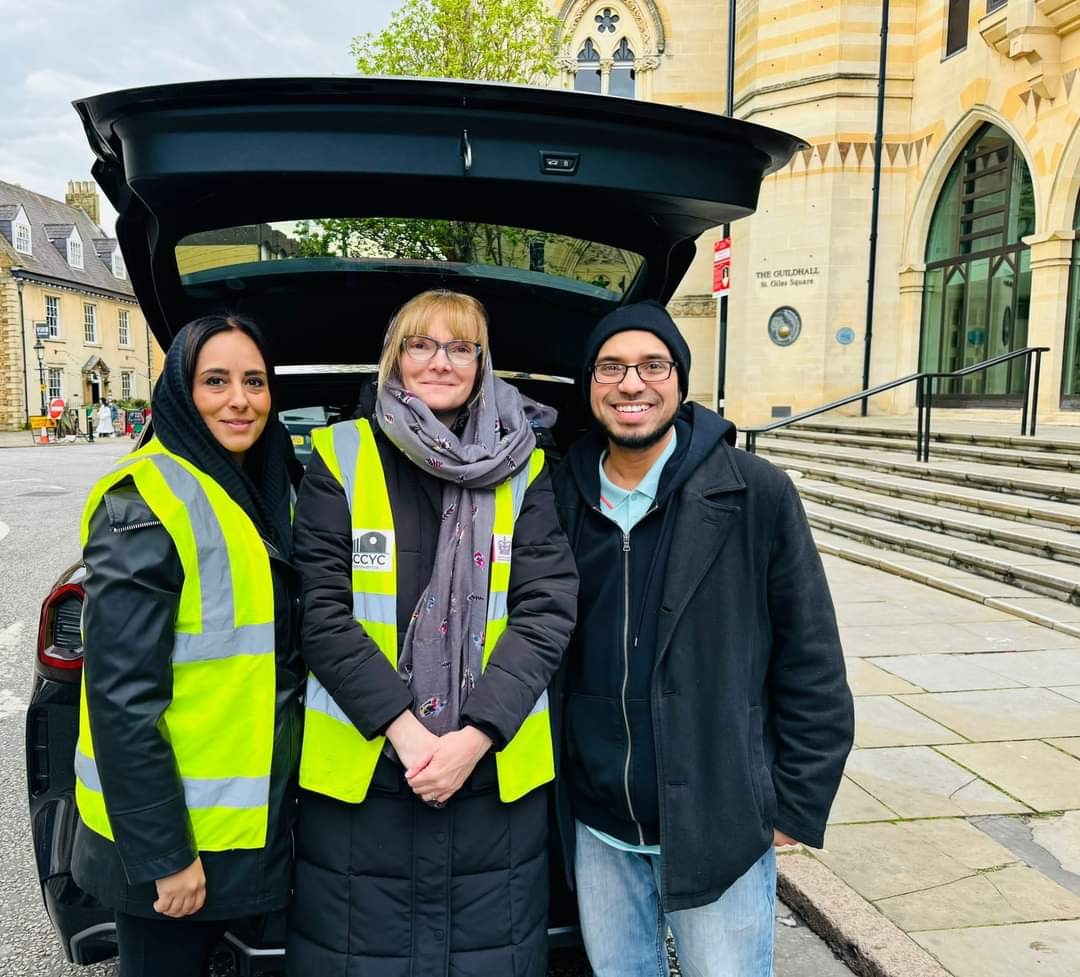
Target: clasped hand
436,766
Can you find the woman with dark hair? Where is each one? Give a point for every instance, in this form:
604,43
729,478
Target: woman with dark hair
439,594
190,728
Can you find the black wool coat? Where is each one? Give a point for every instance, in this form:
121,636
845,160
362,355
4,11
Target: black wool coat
751,714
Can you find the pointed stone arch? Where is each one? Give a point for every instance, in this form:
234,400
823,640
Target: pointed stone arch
918,225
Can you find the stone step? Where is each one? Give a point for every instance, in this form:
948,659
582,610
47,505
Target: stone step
1063,515
1058,486
1050,613
939,450
1050,544
1048,578
999,440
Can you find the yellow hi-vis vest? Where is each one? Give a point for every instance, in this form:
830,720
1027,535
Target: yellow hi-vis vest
220,721
336,759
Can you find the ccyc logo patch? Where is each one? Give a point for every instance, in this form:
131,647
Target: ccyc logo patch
372,550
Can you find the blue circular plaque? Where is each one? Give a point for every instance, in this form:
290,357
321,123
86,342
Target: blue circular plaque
845,336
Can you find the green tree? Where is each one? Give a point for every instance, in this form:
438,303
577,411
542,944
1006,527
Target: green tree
479,40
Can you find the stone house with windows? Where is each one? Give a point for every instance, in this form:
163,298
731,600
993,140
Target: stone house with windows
979,193
60,272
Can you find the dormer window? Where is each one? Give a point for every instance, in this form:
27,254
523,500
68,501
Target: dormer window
74,251
21,233
118,268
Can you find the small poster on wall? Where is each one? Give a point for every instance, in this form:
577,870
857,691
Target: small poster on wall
721,268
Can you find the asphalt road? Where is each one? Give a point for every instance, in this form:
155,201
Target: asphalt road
41,495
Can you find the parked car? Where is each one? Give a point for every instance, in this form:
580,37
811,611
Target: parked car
551,207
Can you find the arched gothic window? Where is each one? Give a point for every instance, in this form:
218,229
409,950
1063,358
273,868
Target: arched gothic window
977,291
623,76
588,78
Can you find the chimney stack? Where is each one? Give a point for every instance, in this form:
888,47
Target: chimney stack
84,194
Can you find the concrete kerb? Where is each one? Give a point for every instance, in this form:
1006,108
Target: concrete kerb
867,942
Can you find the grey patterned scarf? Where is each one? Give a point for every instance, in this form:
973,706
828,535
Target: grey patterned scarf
492,438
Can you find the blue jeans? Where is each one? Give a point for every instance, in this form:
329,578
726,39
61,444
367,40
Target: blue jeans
624,927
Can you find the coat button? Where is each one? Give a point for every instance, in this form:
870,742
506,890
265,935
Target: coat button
440,837
439,934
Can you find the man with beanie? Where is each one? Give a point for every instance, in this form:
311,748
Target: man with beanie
703,705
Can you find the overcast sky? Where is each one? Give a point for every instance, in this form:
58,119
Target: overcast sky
56,51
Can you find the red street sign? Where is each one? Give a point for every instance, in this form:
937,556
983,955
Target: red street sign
721,267
56,408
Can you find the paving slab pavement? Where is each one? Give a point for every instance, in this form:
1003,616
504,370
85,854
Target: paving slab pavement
953,847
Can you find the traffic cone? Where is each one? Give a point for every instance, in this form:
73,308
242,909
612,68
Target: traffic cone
43,438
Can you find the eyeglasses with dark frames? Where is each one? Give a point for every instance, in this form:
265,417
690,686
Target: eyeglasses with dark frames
460,352
651,371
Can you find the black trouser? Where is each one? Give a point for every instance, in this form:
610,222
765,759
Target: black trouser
165,947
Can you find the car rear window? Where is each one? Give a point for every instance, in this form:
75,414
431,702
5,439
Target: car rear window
601,269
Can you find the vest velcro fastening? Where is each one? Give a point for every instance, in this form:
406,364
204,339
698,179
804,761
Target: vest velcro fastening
336,759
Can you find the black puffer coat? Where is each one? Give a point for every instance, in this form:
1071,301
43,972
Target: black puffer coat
132,592
391,886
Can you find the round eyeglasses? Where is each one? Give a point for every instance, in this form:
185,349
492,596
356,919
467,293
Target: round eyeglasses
651,371
460,352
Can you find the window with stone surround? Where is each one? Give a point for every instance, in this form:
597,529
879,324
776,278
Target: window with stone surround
956,26
52,315
126,384
90,324
622,77
977,289
123,327
55,383
588,78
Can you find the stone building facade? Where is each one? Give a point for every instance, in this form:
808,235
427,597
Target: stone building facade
59,270
976,245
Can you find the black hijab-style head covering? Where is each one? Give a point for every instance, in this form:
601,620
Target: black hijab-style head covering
261,486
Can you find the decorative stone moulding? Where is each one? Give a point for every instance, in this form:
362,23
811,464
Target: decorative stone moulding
1030,32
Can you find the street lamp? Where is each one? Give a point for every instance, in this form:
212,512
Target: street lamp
41,330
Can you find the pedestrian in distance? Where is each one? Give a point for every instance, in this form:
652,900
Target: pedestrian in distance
703,703
189,733
104,417
439,595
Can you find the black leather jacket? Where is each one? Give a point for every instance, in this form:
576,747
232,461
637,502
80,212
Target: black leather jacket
132,587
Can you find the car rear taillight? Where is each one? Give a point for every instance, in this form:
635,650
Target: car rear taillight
59,646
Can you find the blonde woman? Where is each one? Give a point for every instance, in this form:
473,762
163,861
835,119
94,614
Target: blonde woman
439,595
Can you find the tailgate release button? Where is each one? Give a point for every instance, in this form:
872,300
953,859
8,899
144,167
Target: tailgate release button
562,164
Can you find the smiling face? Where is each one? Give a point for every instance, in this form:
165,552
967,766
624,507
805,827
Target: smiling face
635,414
440,384
231,391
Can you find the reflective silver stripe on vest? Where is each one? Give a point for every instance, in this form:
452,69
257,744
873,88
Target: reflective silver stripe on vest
319,700
251,639
347,449
496,605
541,703
215,574
518,484
381,608
198,793
86,771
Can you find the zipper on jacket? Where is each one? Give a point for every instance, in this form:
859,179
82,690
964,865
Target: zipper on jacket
136,525
626,682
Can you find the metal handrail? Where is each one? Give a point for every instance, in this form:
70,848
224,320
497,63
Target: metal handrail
924,398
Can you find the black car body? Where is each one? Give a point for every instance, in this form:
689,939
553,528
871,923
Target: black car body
629,185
